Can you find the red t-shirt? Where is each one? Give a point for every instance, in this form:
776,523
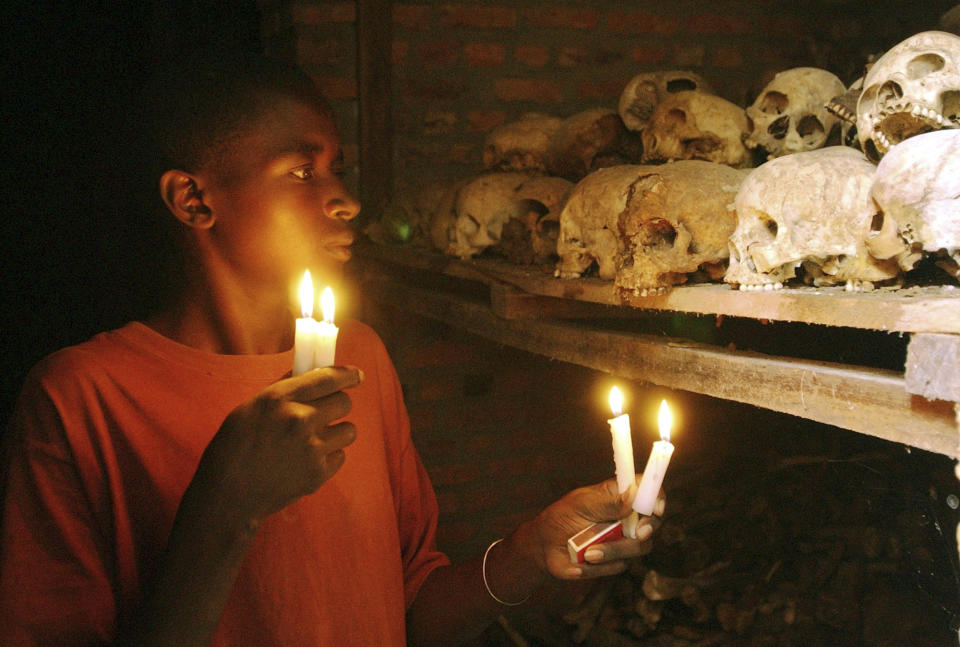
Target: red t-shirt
106,437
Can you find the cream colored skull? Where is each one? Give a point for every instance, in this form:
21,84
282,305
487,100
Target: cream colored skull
695,125
677,221
645,91
913,88
520,145
484,205
589,222
812,209
790,115
917,186
443,218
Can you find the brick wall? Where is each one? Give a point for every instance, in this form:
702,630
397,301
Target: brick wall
463,68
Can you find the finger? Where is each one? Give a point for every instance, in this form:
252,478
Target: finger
317,383
606,569
331,407
335,437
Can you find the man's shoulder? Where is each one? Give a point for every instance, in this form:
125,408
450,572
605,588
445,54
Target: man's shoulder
84,360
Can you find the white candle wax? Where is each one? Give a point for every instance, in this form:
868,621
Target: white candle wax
305,338
622,442
656,467
326,332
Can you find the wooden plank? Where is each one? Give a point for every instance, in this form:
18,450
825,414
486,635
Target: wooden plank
374,58
928,309
933,366
508,302
865,400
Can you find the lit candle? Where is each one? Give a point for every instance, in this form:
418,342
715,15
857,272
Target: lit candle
656,465
622,444
326,332
305,339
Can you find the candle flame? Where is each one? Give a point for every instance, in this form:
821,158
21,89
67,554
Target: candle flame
306,295
326,304
665,419
616,401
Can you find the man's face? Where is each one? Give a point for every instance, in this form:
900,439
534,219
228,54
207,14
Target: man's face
279,203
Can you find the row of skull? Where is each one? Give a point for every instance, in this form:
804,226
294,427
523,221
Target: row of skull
815,211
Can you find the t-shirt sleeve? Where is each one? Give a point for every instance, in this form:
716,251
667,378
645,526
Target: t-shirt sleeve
417,509
54,586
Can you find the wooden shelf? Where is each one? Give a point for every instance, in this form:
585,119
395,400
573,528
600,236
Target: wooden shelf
526,307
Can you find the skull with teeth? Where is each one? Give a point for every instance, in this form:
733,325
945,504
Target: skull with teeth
912,89
791,115
917,187
810,209
696,125
676,223
645,91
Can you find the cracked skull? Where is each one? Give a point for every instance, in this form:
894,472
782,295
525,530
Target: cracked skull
790,115
676,222
917,186
809,209
645,91
912,89
695,125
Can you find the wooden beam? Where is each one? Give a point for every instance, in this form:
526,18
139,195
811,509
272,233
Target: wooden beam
508,302
374,73
933,366
865,400
934,309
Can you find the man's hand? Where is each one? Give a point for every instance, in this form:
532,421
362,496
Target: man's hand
577,510
281,445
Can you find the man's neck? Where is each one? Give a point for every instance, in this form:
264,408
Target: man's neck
221,314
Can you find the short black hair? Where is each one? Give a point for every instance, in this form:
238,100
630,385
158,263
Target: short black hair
185,118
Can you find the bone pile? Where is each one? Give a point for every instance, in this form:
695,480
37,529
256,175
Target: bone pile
840,546
815,183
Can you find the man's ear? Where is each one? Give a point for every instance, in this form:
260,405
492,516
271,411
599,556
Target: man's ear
184,199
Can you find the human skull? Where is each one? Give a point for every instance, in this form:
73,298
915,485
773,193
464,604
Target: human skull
695,125
442,232
812,209
589,140
589,222
791,115
520,145
917,186
913,88
408,217
644,91
530,235
677,221
844,108
484,205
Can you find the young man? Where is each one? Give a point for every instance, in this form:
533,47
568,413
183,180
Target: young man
169,484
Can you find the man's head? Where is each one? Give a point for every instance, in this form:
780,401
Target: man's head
247,160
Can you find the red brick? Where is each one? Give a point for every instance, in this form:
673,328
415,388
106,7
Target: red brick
441,353
477,16
688,55
399,52
411,16
728,57
337,87
323,14
539,90
718,24
569,17
647,54
328,52
485,54
642,23
482,121
532,55
600,90
771,26
439,53
433,89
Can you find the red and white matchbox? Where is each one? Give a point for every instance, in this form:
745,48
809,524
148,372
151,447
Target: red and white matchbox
597,533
